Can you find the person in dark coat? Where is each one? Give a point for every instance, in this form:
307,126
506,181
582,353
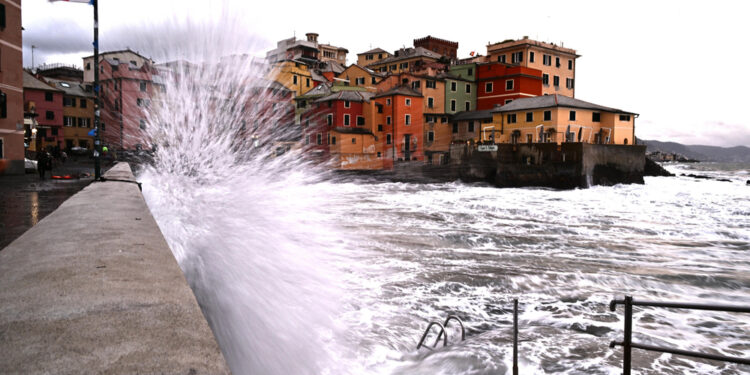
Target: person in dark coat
42,163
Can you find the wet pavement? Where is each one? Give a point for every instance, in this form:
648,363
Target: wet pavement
26,199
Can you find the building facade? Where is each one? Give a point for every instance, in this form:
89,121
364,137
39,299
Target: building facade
499,84
46,103
441,46
372,56
294,75
78,114
405,60
557,63
558,119
359,76
403,112
11,89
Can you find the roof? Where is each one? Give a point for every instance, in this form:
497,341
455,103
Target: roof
70,88
453,77
103,54
334,47
376,50
352,130
266,83
332,66
399,90
549,101
352,96
316,92
366,70
317,77
31,82
409,53
473,115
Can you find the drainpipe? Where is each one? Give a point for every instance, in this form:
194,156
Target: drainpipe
634,117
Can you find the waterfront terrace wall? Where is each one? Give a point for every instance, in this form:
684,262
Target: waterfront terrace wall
94,288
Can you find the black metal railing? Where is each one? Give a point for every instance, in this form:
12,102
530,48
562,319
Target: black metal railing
628,344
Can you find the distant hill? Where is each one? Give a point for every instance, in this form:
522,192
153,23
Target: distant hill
739,154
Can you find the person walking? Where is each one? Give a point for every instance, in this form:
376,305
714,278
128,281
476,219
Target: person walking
42,160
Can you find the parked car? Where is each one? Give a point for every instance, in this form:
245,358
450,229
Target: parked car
29,165
78,150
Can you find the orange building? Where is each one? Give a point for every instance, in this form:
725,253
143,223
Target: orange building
11,90
356,75
401,109
372,56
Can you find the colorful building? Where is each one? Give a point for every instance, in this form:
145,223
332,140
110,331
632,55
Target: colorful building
405,60
129,82
12,80
46,102
356,75
499,84
294,75
372,56
557,63
460,89
307,51
401,110
78,113
557,119
441,46
268,121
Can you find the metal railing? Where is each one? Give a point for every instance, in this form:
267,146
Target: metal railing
628,344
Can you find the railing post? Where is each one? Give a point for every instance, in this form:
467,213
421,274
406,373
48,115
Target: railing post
515,336
627,340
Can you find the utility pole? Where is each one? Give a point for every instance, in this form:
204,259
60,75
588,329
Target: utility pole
32,57
97,92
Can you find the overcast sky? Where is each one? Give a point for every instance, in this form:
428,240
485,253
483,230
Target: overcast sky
680,64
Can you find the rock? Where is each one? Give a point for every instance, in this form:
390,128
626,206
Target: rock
652,168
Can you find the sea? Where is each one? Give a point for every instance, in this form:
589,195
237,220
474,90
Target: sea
300,273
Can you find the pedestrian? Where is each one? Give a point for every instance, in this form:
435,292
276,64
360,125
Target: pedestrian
41,163
63,156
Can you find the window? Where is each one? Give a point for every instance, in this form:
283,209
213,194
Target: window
48,96
403,65
596,117
545,79
430,102
330,103
379,154
624,117
354,141
294,80
455,128
307,82
453,105
307,139
531,56
393,67
372,79
69,121
443,120
3,105
88,66
430,136
407,102
387,139
470,72
471,127
50,115
319,139
380,127
556,81
83,103
467,106
360,121
139,102
333,140
570,64
388,101
359,81
346,120
569,83
416,85
67,101
347,104
557,62
388,120
547,60
572,115
529,116
509,85
501,58
407,120
329,119
508,101
511,118
430,84
453,86
516,57
143,86
379,107
488,87
468,88
142,124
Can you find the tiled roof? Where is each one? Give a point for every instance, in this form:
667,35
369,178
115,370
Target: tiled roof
473,115
549,101
352,96
399,90
317,91
376,50
70,88
31,82
408,53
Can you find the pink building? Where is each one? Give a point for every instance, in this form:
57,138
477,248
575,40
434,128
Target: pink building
46,102
127,88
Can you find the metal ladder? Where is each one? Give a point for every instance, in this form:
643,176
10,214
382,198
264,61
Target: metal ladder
442,333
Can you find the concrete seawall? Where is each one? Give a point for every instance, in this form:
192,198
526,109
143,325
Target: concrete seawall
94,288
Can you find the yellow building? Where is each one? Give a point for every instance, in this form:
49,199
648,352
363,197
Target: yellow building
372,56
558,119
356,149
468,126
558,64
356,75
293,75
78,114
404,60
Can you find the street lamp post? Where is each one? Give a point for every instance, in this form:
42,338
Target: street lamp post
97,93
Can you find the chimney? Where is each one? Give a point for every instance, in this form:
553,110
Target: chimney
525,37
312,37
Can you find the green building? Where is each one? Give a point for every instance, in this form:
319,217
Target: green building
460,88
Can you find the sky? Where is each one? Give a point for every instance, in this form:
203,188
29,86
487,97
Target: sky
681,65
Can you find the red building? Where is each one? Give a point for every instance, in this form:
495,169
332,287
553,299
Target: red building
341,109
46,102
441,46
401,112
499,83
